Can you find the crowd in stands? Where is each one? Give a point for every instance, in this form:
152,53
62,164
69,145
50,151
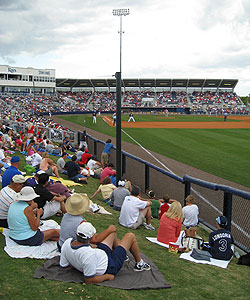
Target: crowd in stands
86,101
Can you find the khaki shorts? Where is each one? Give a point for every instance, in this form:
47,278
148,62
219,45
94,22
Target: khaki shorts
139,221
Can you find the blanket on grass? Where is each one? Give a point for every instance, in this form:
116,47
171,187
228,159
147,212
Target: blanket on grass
214,262
46,251
126,279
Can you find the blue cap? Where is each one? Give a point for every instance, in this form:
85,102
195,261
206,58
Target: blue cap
15,159
222,221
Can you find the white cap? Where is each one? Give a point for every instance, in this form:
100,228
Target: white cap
18,179
86,230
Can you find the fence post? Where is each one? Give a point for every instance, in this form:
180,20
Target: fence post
187,191
146,178
227,209
95,148
124,164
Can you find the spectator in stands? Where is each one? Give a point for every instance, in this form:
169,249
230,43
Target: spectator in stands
24,223
191,212
164,205
61,163
85,157
50,203
220,241
170,224
108,171
106,152
36,159
74,171
106,188
11,171
8,195
118,195
48,166
134,210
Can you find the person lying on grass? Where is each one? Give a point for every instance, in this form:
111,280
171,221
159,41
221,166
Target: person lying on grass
76,205
104,261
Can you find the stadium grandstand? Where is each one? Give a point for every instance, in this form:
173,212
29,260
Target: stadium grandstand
57,95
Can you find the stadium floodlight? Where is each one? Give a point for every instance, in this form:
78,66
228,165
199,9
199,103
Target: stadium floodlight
121,12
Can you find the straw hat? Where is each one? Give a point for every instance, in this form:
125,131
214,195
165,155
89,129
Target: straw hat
77,204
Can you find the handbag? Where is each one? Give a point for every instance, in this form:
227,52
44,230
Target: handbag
200,255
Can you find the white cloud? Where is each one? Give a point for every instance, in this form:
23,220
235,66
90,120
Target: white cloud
163,38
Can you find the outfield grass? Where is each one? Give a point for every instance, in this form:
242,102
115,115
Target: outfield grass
222,152
188,280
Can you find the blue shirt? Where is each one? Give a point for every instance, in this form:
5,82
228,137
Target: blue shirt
8,174
107,148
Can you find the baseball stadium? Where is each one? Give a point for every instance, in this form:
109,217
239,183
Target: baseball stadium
178,137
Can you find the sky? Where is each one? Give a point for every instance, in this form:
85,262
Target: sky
162,38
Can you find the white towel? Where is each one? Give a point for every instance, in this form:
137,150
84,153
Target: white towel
45,251
214,262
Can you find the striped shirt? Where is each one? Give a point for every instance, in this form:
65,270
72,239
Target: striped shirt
7,196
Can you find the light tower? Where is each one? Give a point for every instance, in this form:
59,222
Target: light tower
119,13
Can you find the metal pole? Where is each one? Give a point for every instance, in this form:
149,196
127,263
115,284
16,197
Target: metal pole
118,127
121,44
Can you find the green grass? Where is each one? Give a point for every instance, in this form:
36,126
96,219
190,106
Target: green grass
222,152
188,280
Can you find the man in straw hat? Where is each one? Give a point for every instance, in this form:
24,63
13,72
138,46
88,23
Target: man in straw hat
8,195
24,221
101,263
76,205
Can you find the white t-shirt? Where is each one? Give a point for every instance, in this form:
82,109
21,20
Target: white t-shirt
130,210
7,196
191,213
91,164
90,261
2,156
36,159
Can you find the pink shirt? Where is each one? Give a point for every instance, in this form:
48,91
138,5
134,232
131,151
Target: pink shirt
107,172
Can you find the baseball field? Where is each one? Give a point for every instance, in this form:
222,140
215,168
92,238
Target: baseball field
206,143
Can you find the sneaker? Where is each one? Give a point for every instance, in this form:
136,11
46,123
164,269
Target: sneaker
149,227
126,258
143,267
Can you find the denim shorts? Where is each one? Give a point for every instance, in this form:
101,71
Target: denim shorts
116,258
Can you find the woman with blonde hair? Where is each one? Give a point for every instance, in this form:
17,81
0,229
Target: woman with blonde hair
170,224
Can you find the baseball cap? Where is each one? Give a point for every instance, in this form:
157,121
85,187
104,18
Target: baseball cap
27,193
18,179
222,220
86,230
15,159
86,150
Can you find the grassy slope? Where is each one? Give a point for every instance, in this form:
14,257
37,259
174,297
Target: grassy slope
188,280
222,152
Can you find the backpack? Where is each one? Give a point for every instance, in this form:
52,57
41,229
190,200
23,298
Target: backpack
244,260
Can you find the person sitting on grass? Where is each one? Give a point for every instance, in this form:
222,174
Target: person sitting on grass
48,166
106,188
108,171
76,205
220,241
74,171
104,261
191,212
24,220
134,210
50,202
164,204
118,195
170,224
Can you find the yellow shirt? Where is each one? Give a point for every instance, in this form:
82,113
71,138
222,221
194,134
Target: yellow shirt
106,190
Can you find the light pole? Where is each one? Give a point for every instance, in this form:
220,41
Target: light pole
119,13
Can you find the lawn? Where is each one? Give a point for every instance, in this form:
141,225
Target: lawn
188,280
222,152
